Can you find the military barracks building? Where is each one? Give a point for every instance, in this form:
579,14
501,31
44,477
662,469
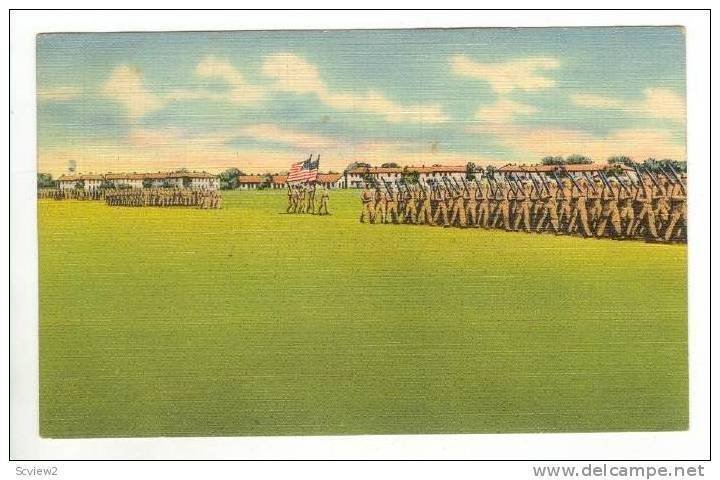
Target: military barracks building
354,178
251,182
136,180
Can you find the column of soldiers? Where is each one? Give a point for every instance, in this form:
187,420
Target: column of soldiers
72,194
164,197
307,198
649,206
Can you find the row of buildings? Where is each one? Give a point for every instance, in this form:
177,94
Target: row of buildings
355,177
91,181
351,178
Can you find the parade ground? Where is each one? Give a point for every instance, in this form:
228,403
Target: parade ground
246,320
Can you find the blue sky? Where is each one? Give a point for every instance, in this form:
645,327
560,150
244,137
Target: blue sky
260,100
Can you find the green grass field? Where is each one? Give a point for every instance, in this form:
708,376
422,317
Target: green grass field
247,321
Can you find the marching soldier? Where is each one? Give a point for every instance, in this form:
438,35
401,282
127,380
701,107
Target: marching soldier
368,209
324,198
380,206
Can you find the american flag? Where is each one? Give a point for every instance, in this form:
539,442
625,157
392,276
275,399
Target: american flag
306,171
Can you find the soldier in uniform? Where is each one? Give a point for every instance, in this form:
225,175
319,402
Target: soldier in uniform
678,212
482,195
523,207
368,207
662,204
291,200
627,210
565,208
311,200
380,206
646,218
424,215
579,217
410,205
610,212
441,206
457,215
549,211
324,199
471,204
301,199
391,204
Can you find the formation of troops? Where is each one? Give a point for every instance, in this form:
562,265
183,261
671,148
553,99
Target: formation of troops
136,197
644,205
164,197
308,198
71,194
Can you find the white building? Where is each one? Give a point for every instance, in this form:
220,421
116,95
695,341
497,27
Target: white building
354,178
250,182
202,180
128,180
88,181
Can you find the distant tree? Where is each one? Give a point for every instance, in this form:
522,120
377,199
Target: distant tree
147,183
553,161
621,160
576,159
229,178
490,171
410,176
354,165
80,185
389,165
107,185
186,181
368,179
167,184
678,166
45,180
266,182
470,170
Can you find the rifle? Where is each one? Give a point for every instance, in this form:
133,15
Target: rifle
627,190
605,180
386,187
422,188
574,181
652,177
545,183
510,185
557,180
479,189
536,185
591,182
448,185
677,177
465,185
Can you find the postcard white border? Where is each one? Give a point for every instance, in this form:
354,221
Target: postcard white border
25,442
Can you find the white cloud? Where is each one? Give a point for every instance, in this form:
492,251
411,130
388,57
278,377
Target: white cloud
292,73
125,86
58,94
525,74
503,110
241,92
531,144
656,103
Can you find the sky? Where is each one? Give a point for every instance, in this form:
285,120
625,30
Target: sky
261,100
